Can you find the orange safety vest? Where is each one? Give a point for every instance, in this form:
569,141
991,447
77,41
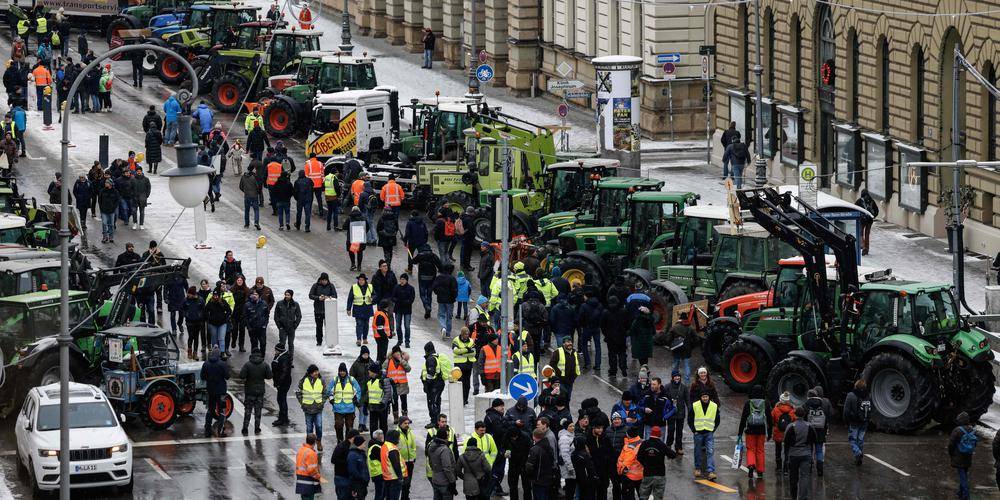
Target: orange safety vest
357,187
307,465
396,372
388,473
314,171
273,172
381,330
491,367
42,76
392,194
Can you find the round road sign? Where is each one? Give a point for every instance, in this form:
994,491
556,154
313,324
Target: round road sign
483,56
484,73
563,110
668,68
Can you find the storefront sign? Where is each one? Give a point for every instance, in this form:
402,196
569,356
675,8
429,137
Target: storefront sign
912,180
878,170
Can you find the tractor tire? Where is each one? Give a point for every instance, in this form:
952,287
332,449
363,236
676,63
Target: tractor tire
170,70
578,270
718,336
47,370
794,375
457,201
902,393
159,408
974,400
228,93
662,307
186,408
738,288
744,365
279,119
483,229
113,35
149,60
227,406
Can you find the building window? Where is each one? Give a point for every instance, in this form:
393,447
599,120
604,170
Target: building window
742,20
990,107
917,95
827,51
769,52
796,55
853,56
883,100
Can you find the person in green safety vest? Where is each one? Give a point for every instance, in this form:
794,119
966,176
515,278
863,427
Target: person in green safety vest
463,348
519,280
524,360
377,397
545,285
436,369
375,461
432,432
344,393
42,28
331,193
408,452
360,307
309,393
485,442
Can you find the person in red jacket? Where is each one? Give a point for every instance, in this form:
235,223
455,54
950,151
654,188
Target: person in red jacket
782,415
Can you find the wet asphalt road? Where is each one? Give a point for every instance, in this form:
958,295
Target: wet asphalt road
179,463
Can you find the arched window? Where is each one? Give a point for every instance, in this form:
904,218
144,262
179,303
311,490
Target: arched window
769,52
917,94
827,50
796,55
882,57
742,20
853,58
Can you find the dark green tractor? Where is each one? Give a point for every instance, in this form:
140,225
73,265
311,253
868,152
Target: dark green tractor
208,26
600,203
437,128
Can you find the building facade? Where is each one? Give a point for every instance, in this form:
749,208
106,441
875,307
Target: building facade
527,40
862,89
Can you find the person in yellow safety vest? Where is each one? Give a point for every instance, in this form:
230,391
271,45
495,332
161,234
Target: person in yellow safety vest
566,361
375,461
482,308
42,28
520,280
514,341
489,364
392,194
393,469
22,30
343,392
330,185
396,368
463,348
310,395
524,361
407,451
546,286
485,442
442,423
307,476
314,171
253,120
703,419
359,307
378,396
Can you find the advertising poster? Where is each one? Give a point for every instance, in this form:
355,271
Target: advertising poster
879,173
621,123
912,180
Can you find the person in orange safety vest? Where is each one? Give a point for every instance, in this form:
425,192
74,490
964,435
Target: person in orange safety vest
307,476
314,171
381,330
392,194
489,363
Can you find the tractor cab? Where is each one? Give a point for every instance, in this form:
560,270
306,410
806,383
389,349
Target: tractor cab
29,275
572,184
342,71
436,124
25,318
654,218
287,44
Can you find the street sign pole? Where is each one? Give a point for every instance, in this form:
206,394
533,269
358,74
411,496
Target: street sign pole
504,261
670,106
473,80
706,74
760,164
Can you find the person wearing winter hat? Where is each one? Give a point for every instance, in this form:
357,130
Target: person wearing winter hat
961,457
755,427
652,455
377,398
359,370
310,394
678,394
281,371
287,317
344,392
360,306
782,415
436,369
396,368
321,290
627,408
403,296
616,434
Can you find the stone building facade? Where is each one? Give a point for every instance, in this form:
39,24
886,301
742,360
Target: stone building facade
526,40
861,94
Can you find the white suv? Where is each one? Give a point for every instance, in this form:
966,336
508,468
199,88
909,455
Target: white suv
100,454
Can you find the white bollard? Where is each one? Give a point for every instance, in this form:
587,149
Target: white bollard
200,229
331,328
262,263
456,411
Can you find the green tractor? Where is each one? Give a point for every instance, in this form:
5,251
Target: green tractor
437,128
208,27
290,107
920,358
239,73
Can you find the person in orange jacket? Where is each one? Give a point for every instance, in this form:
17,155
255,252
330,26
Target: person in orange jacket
782,415
381,330
307,476
392,194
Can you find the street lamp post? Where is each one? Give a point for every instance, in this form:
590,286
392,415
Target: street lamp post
345,30
760,164
473,81
185,163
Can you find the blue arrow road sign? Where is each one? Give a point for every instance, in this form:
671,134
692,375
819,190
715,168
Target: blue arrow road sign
484,73
672,57
523,384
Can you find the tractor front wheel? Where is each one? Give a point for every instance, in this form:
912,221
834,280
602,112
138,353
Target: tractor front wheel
662,306
901,392
794,376
279,118
580,271
718,336
974,396
159,409
744,365
457,201
228,93
170,70
739,288
227,407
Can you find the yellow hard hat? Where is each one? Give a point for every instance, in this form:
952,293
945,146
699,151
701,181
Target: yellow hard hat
456,374
519,266
261,241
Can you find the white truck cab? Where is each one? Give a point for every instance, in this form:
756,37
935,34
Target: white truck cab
355,121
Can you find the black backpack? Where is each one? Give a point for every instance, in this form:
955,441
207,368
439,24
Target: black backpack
784,421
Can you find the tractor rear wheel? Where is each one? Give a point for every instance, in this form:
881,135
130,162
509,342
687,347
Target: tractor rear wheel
228,93
794,375
457,201
901,392
227,407
974,396
744,365
662,307
159,409
718,336
739,288
279,118
170,70
581,271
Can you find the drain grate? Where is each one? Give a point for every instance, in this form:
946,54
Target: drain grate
915,235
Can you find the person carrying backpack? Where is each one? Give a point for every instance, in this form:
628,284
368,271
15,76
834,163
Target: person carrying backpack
782,416
444,234
961,445
818,413
755,427
857,412
738,155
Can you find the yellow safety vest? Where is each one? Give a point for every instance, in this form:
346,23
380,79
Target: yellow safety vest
465,352
252,121
407,446
488,445
547,288
525,364
704,420
330,186
562,361
375,466
343,393
22,27
41,26
362,298
375,391
312,391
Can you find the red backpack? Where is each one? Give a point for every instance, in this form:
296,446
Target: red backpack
449,227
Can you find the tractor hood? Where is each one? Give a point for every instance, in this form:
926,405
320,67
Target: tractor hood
556,220
601,240
974,344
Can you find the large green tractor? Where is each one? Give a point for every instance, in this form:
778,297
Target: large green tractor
920,358
437,128
289,107
602,203
208,26
241,72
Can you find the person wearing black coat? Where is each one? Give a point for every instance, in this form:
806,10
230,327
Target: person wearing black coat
81,43
152,120
383,282
230,268
256,143
321,290
402,298
83,193
255,316
303,190
287,316
446,289
154,152
386,229
414,237
215,372
217,316
605,459
281,371
615,336
281,198
193,312
254,373
585,468
428,264
540,466
141,189
588,316
174,293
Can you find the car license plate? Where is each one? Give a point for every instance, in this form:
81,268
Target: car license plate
85,468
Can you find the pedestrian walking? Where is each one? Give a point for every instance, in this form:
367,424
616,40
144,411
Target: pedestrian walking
171,111
377,398
566,362
320,292
236,154
309,393
489,363
729,136
205,120
567,434
677,393
703,420
341,470
255,318
474,471
703,383
462,299
374,453
782,415
738,155
359,370
414,237
652,455
355,249
819,412
866,202
346,394
230,268
359,306
428,41
444,234
656,407
104,90
641,333
281,197
383,283
215,373
857,413
174,294
141,189
465,235
442,465
193,311
435,369
303,191
217,315
20,119
257,142
463,350
428,265
331,196
386,229
287,317
403,296
800,438
408,452
589,318
395,369
137,58
307,475
446,290
755,430
681,338
154,151
250,188
540,467
393,467
358,468
254,372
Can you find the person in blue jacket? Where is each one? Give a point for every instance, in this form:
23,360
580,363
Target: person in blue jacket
343,392
629,409
357,467
205,117
464,291
171,110
20,118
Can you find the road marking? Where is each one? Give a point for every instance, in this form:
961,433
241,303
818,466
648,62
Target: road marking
159,470
713,484
33,158
887,464
291,454
730,460
228,439
609,384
